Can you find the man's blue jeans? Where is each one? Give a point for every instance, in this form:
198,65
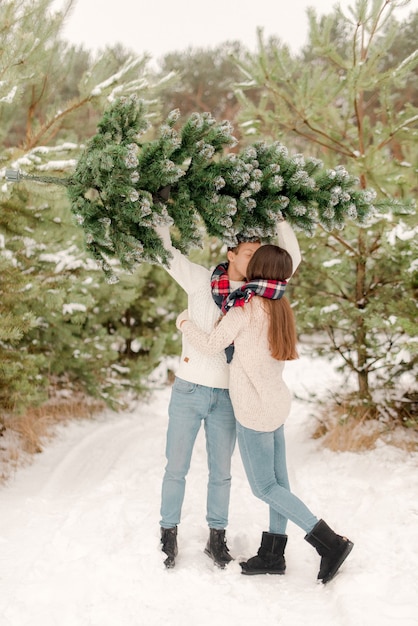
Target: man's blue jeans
264,459
190,405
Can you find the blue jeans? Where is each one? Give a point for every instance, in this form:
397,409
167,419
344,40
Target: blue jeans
190,405
264,459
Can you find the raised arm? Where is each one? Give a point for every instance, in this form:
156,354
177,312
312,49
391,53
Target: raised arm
286,239
186,273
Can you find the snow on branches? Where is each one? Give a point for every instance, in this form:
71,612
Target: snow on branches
123,187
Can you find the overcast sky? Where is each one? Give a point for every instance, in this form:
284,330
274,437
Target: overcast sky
160,26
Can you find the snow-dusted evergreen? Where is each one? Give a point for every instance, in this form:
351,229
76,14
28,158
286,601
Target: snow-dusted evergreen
352,95
124,186
61,322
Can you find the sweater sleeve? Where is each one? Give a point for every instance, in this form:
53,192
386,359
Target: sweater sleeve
222,335
286,239
186,273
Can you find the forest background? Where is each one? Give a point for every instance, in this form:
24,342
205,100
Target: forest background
70,342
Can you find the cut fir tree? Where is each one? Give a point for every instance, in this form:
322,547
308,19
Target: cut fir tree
122,187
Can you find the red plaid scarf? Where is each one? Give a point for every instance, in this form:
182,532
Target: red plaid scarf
272,289
221,293
220,284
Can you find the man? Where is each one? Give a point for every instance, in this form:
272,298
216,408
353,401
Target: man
200,394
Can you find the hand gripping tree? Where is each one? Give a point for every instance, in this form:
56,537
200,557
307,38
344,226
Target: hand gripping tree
122,188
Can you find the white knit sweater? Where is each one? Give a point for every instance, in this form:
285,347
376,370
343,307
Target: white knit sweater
210,370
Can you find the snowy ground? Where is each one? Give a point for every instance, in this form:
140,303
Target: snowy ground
79,534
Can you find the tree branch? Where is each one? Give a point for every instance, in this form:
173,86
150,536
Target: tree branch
33,140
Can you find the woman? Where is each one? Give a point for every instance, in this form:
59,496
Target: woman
259,321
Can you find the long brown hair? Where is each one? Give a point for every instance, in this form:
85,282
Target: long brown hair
273,263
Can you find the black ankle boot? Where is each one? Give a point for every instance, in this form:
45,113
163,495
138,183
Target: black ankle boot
270,556
169,545
217,549
333,549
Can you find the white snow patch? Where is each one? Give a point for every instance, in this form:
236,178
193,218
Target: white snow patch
79,529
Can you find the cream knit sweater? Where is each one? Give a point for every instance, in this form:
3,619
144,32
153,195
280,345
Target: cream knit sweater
196,366
258,393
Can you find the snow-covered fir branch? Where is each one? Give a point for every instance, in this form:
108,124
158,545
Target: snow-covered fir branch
121,187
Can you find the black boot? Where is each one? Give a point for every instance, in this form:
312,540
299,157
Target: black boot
270,556
217,549
333,549
169,545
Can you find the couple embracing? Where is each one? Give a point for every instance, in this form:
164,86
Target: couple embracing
238,332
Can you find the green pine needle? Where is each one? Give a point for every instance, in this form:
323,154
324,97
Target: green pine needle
122,188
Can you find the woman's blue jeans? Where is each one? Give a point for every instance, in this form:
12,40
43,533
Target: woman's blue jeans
264,459
190,405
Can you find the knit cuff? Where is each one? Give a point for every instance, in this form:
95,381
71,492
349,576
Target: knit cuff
182,317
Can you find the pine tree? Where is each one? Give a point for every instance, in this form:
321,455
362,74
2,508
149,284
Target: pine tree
18,367
50,291
208,76
343,97
22,42
123,187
